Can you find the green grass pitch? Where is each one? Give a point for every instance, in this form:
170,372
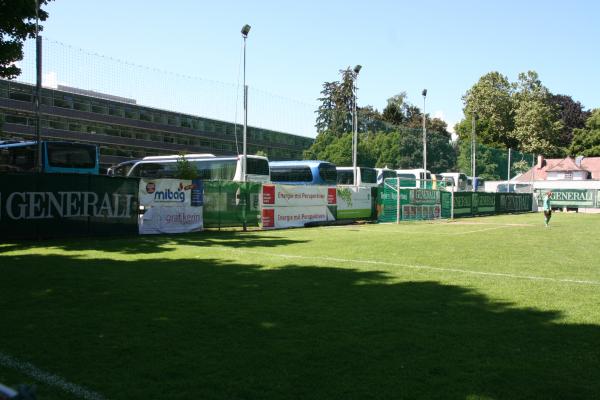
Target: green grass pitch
481,308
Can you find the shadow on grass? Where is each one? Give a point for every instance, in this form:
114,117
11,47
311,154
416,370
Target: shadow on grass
207,329
155,243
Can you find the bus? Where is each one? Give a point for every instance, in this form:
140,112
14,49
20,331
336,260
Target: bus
121,169
366,177
304,172
57,157
456,182
384,173
209,167
417,178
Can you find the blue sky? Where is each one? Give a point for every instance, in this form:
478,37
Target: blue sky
293,47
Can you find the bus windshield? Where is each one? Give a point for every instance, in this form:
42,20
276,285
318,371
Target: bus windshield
71,155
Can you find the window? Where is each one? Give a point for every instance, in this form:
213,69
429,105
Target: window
328,173
291,174
66,155
569,175
345,177
368,175
257,166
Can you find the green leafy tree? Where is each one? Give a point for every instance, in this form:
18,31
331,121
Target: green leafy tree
537,123
17,23
185,169
586,141
571,114
491,101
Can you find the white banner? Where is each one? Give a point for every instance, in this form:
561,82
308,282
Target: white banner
171,219
288,217
173,192
297,196
353,202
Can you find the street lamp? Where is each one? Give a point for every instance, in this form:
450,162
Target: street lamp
355,125
424,93
245,31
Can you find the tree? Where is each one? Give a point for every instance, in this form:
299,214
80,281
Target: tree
586,142
491,101
185,169
571,114
17,23
537,123
334,115
393,112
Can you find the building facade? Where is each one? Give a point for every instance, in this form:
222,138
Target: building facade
125,130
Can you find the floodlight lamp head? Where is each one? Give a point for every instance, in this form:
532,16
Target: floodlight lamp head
424,92
357,69
245,30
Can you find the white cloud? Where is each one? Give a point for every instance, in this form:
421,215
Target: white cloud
440,115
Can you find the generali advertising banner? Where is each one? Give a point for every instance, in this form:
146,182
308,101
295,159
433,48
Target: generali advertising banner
171,205
287,206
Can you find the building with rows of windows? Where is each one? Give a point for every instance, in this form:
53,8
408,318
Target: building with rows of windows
125,130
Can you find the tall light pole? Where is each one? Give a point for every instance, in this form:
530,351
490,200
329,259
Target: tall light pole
38,88
424,93
355,124
245,30
473,151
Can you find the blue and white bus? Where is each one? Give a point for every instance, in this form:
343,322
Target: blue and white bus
57,157
304,172
209,167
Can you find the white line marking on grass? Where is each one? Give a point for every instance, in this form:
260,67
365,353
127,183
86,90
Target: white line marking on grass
414,266
475,231
48,378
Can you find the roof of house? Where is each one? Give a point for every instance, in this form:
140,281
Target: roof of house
590,164
568,164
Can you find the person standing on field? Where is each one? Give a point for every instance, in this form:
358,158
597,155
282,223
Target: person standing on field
547,207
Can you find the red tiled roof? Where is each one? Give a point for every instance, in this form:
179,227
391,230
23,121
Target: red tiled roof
568,164
591,164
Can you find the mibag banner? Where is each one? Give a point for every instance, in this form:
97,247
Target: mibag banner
353,202
171,205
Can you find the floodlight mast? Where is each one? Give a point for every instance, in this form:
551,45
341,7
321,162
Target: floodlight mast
424,93
356,70
245,31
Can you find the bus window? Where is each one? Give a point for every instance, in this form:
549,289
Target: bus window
67,155
368,175
291,174
328,173
345,177
407,180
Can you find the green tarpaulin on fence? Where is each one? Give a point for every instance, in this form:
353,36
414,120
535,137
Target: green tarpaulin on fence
229,204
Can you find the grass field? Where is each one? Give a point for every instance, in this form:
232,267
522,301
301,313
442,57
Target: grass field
481,308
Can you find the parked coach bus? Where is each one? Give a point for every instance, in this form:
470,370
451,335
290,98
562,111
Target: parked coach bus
418,178
366,177
57,157
384,173
305,172
210,167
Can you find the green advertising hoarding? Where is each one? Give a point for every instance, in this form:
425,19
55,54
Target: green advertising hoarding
62,205
572,198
